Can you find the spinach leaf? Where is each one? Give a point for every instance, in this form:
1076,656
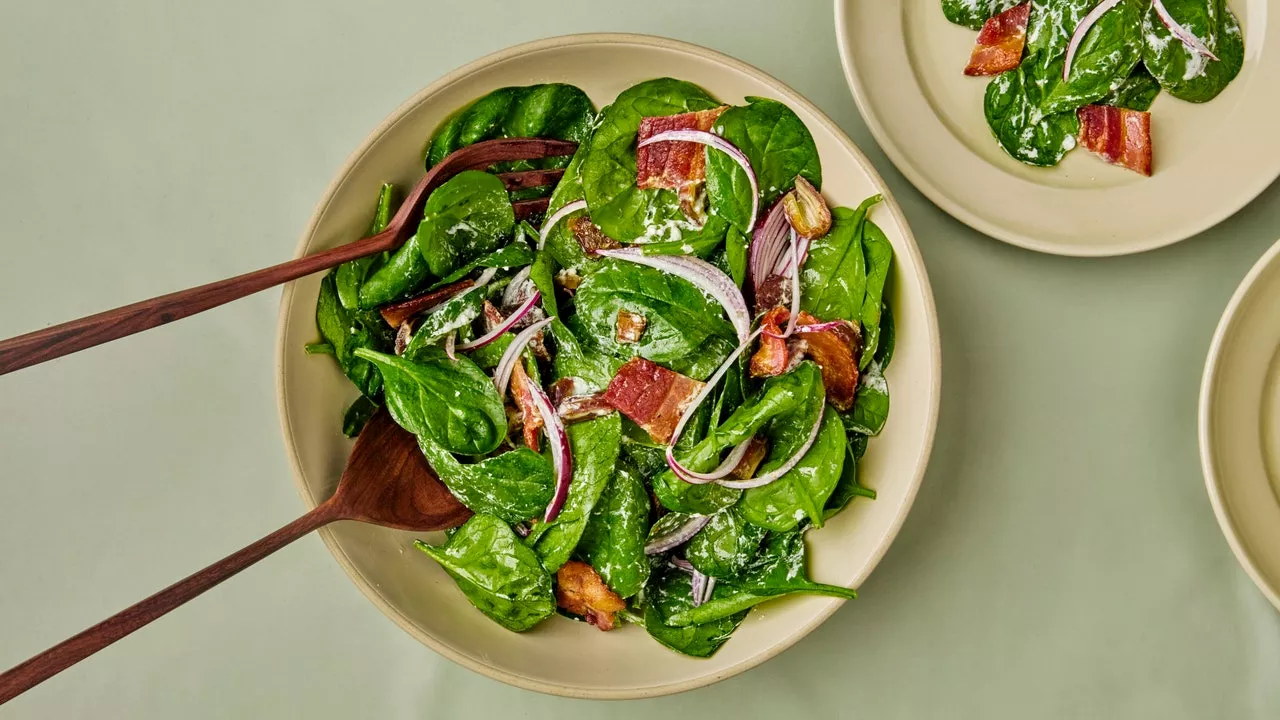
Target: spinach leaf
1106,57
1137,92
1184,73
1051,26
450,402
514,486
622,210
561,243
358,415
804,490
347,331
543,273
725,546
497,573
517,254
871,405
554,110
318,348
834,278
686,330
879,254
735,248
1013,106
595,445
455,313
848,487
574,359
613,542
672,595
779,147
401,274
974,13
464,218
778,396
351,275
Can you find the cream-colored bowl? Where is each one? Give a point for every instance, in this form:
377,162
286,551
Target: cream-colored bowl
561,656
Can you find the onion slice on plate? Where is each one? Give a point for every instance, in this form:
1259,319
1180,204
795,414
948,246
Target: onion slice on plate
1083,29
555,219
1184,35
794,272
502,374
505,325
561,456
677,537
706,277
714,141
768,243
786,467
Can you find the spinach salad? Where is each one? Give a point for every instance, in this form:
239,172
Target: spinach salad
1086,72
651,394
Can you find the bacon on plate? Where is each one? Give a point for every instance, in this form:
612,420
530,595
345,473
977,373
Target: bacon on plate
580,590
675,166
1121,137
1001,42
529,416
652,396
771,357
836,352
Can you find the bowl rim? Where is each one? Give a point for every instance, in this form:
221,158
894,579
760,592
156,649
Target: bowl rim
933,391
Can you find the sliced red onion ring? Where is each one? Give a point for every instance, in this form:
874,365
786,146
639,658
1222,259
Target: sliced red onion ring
794,272
677,537
561,457
705,276
785,467
450,344
505,325
726,467
710,588
1083,29
698,588
712,140
767,244
555,219
502,374
681,471
1180,32
681,564
813,328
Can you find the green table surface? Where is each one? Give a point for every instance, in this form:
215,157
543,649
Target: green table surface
1062,560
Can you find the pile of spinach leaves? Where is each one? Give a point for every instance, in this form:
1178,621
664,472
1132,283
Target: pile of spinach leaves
622,495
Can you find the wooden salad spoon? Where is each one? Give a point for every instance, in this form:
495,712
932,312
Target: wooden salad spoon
54,342
387,482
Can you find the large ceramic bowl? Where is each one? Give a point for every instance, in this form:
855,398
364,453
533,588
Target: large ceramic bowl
560,656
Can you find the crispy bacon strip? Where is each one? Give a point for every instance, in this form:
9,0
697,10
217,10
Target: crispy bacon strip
529,416
1121,137
1001,42
673,165
651,396
579,590
836,352
590,237
772,356
396,313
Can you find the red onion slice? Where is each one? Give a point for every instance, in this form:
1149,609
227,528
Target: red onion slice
1083,29
767,244
681,564
450,344
726,467
715,141
677,537
706,277
502,374
561,457
556,217
698,587
710,588
785,467
794,272
505,325
1180,32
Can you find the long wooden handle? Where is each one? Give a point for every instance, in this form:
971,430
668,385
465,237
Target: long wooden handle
23,677
54,342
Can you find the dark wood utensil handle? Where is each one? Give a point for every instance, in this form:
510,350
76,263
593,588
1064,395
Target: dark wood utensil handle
54,342
23,677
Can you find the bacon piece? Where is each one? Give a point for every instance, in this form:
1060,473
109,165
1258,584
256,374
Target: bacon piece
756,453
529,416
492,316
629,326
1001,42
590,237
396,313
836,352
771,358
651,396
579,590
678,166
1121,137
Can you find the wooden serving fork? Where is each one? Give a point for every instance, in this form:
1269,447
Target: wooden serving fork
54,342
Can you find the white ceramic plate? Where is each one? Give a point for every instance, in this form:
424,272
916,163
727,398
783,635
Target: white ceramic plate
562,656
904,62
1240,423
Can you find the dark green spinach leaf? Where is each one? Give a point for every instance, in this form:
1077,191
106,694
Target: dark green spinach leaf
351,275
974,13
347,331
497,573
1187,75
1106,57
515,485
672,595
554,110
400,275
1014,110
613,542
834,280
595,445
464,218
725,546
879,256
358,415
871,405
1137,92
515,255
888,338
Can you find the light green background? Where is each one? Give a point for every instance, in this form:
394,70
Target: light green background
1061,561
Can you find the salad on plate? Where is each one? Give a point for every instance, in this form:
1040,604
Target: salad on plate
649,388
